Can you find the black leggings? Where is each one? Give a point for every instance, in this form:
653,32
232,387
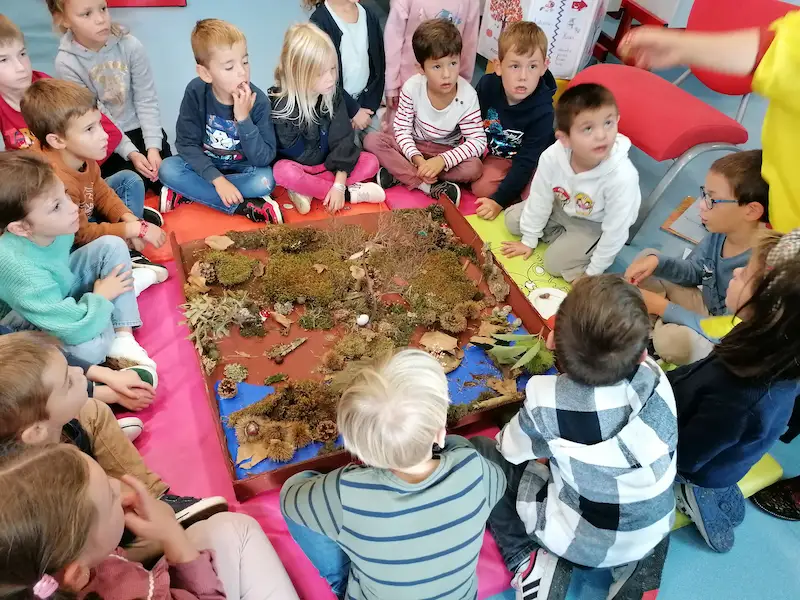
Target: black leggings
116,163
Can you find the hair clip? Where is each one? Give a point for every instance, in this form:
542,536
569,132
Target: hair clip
437,449
45,587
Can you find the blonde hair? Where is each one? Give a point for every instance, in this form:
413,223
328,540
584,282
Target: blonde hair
209,34
49,105
56,8
524,38
391,413
307,51
9,32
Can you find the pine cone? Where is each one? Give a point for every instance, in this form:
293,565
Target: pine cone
326,431
227,388
208,272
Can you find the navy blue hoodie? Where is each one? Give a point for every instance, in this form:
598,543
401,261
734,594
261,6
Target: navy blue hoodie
520,132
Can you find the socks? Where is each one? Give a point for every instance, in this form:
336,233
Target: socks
425,187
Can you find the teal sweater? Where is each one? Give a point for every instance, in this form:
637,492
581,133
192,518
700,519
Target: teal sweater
405,541
36,281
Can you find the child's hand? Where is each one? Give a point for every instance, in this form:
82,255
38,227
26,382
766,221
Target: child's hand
641,269
154,521
392,101
334,200
137,243
154,158
488,209
114,284
652,48
228,192
155,235
243,101
106,395
656,305
362,119
512,249
431,168
143,166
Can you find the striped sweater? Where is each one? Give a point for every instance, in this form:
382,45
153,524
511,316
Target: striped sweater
404,540
459,125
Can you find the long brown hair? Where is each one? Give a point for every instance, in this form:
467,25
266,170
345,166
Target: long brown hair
46,517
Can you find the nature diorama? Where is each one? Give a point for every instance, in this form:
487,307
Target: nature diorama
282,317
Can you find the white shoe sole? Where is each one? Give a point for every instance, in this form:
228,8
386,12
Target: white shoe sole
132,427
276,208
301,203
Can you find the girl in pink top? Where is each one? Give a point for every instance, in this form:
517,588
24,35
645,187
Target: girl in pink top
404,18
62,521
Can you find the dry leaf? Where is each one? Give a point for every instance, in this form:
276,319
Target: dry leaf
482,341
489,329
245,453
357,255
450,362
219,242
357,272
259,455
436,340
505,387
319,268
198,282
282,320
197,270
258,269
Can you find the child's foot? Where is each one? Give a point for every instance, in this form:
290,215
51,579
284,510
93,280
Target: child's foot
151,215
146,272
446,188
366,192
702,506
385,179
132,427
189,510
260,210
543,577
301,202
125,347
143,279
168,200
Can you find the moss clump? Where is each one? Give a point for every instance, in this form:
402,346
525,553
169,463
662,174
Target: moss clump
541,363
453,323
277,238
236,372
316,318
273,379
231,268
328,447
361,344
469,310
352,346
289,276
306,401
440,284
456,412
252,329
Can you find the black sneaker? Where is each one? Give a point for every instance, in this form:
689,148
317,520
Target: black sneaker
140,261
151,215
260,210
385,179
446,188
190,510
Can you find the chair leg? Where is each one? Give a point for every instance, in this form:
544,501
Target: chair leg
682,77
680,163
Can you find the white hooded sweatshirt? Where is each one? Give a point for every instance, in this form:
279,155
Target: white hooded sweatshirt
608,194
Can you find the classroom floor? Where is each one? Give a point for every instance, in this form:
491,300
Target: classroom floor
761,563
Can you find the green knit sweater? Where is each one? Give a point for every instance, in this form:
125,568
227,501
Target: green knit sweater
36,281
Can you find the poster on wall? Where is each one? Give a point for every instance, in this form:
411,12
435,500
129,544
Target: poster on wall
144,3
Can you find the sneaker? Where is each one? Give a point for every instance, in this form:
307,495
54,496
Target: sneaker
368,192
260,210
143,279
146,374
385,179
140,261
301,202
151,215
543,577
446,188
132,427
781,499
190,510
125,347
701,505
168,200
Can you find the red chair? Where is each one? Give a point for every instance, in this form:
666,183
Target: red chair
667,123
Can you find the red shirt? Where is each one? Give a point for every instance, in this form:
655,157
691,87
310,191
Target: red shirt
17,136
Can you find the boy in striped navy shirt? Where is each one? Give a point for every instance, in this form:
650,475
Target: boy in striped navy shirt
438,138
410,522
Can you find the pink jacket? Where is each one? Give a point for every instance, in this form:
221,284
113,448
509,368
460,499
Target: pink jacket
116,578
404,18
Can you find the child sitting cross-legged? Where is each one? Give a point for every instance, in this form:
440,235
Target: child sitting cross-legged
224,134
86,297
735,205
409,522
61,525
607,427
734,404
318,156
438,137
585,194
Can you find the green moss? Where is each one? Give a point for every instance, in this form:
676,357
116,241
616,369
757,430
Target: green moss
440,284
273,379
236,372
252,329
289,276
352,346
316,318
231,268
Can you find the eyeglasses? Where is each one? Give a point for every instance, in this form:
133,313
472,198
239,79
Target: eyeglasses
710,202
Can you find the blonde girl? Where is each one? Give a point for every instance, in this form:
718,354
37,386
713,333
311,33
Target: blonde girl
63,518
316,143
104,57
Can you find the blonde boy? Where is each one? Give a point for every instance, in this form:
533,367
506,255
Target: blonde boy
517,112
224,135
413,515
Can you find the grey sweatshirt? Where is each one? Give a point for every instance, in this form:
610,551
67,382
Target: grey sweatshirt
119,75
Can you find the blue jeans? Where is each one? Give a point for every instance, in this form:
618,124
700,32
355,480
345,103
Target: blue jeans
326,555
252,182
130,189
89,263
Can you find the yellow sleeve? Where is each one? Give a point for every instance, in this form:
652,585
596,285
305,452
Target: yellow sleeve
776,77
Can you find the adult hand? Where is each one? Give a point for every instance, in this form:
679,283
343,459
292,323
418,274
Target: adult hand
143,166
512,249
652,48
641,269
228,193
243,101
114,284
488,209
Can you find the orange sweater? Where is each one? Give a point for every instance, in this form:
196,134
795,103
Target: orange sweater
93,196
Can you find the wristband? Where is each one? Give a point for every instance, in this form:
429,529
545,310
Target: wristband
143,227
340,186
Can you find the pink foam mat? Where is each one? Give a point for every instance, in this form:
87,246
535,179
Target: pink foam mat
180,442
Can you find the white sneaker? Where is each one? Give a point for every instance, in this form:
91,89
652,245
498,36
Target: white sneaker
143,279
366,192
126,347
301,202
534,577
132,427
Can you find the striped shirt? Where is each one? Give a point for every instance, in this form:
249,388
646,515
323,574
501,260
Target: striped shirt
404,540
458,125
